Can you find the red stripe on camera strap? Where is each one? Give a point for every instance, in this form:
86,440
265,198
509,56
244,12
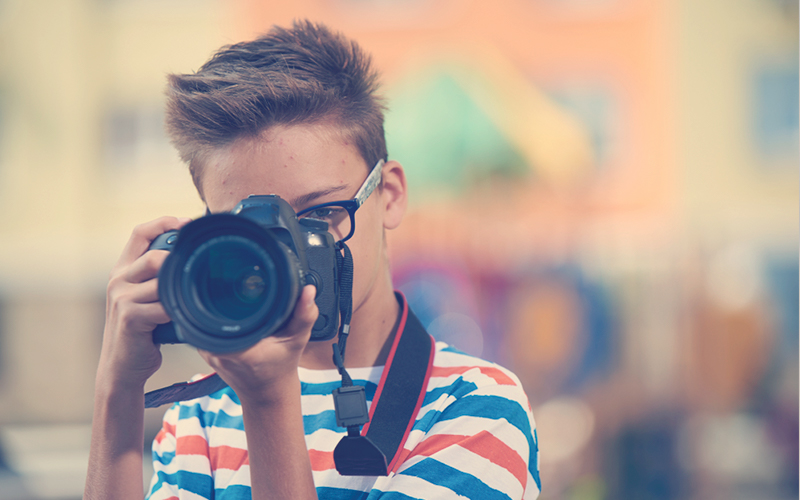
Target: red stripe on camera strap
402,387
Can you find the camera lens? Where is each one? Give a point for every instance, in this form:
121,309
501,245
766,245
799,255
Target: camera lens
251,285
233,278
228,282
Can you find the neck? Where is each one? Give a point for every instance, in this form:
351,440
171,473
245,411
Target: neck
371,332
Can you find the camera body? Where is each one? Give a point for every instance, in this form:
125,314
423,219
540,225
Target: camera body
232,279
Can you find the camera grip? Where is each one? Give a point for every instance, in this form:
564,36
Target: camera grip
164,241
166,334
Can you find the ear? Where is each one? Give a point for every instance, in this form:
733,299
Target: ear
394,195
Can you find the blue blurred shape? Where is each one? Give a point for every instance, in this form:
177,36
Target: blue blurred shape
777,111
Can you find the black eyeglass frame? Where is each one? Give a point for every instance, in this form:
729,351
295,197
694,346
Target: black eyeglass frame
366,189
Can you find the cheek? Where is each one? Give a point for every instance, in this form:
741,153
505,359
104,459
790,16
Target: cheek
366,246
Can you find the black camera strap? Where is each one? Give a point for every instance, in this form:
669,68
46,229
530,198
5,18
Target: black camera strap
344,260
377,450
184,391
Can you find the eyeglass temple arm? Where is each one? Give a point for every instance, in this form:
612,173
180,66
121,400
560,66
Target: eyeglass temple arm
371,181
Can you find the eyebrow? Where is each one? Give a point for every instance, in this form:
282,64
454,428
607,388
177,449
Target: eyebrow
305,199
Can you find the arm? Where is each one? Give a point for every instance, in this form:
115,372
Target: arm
266,381
127,359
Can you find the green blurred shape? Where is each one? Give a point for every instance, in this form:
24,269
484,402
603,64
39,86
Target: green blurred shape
443,139
589,487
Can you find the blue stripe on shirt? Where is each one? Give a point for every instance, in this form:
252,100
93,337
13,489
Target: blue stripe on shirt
326,388
232,492
164,458
199,484
209,418
462,483
328,493
322,420
494,407
458,388
390,495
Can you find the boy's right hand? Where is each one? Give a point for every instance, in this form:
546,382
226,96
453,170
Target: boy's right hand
129,356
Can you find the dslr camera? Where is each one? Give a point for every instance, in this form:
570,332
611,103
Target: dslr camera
232,279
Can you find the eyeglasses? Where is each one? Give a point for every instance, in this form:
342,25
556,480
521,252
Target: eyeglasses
341,215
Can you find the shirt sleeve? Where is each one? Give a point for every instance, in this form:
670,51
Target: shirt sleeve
181,461
480,443
163,484
181,454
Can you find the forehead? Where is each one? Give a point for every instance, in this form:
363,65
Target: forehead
290,161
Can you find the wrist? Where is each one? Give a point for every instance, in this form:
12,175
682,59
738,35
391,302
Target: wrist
278,393
109,383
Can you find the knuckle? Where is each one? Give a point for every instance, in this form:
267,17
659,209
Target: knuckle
118,298
130,317
152,262
149,263
126,319
155,227
166,222
113,288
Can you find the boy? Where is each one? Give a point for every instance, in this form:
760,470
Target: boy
294,113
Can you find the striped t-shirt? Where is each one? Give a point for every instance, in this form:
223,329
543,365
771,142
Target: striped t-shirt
474,437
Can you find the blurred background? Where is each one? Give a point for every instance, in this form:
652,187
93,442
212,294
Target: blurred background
604,198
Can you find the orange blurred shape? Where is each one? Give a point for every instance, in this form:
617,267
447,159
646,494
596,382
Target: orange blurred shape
545,335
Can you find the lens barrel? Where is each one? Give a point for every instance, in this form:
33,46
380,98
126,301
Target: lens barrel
228,283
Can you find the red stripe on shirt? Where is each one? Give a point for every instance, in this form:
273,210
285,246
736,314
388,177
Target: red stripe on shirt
483,444
321,460
160,436
436,443
191,445
227,457
496,451
166,429
490,371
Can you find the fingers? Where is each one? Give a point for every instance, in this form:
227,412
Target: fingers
132,316
144,234
133,309
145,267
145,317
121,291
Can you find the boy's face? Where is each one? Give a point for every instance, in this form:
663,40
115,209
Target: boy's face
305,165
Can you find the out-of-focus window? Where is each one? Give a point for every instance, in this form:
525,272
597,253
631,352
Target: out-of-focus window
776,120
134,137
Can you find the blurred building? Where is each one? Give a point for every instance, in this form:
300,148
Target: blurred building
604,199
83,158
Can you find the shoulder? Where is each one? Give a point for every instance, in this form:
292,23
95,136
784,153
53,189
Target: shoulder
462,375
475,428
471,390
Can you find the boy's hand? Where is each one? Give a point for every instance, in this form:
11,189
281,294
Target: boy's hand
262,374
129,357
